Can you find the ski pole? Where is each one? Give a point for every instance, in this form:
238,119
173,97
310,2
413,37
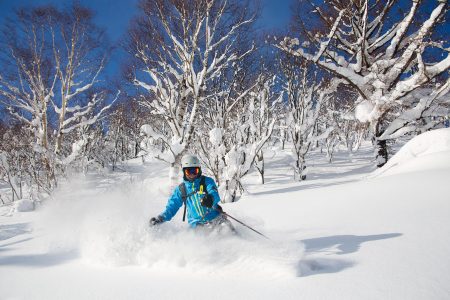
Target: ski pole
242,223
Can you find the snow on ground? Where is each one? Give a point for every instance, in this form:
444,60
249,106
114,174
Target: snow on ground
429,151
345,233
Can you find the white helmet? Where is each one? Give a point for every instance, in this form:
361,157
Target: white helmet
189,161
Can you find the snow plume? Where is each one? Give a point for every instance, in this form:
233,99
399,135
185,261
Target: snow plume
110,227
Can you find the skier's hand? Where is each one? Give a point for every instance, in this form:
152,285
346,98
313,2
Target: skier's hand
155,221
207,201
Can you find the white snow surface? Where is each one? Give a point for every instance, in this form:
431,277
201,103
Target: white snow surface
345,233
428,151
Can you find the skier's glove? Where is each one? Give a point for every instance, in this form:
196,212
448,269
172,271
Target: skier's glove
155,221
207,201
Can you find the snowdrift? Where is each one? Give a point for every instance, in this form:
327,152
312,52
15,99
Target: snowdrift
427,151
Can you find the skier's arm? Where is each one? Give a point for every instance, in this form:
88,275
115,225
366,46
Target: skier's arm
173,205
211,188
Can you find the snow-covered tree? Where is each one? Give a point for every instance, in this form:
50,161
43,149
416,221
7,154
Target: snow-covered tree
27,81
236,124
181,47
305,97
261,113
330,143
90,148
124,131
50,63
21,168
384,54
281,134
422,110
78,60
253,128
347,130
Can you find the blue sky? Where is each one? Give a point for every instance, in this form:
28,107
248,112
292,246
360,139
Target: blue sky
115,15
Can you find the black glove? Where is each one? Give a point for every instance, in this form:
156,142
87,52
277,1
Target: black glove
155,221
207,201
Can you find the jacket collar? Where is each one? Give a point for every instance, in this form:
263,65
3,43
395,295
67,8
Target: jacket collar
196,180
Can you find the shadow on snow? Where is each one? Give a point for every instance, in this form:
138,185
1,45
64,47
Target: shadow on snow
29,260
338,244
38,260
12,230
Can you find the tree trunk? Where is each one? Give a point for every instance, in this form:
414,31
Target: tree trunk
175,170
299,169
174,174
381,152
259,163
59,135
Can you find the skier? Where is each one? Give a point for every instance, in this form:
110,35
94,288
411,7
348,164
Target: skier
199,195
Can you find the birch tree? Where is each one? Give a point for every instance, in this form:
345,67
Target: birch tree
182,46
237,122
27,81
21,168
261,111
79,56
384,54
305,97
339,114
51,60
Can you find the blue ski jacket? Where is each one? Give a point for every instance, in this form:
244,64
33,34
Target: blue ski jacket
196,213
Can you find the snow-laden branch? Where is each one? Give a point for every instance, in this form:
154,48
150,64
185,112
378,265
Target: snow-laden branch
189,59
387,65
409,120
324,45
401,30
398,68
86,86
82,116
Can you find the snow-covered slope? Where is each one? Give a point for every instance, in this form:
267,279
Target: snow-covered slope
428,151
342,234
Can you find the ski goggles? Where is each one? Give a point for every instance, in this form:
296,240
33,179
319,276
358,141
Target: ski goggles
193,171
